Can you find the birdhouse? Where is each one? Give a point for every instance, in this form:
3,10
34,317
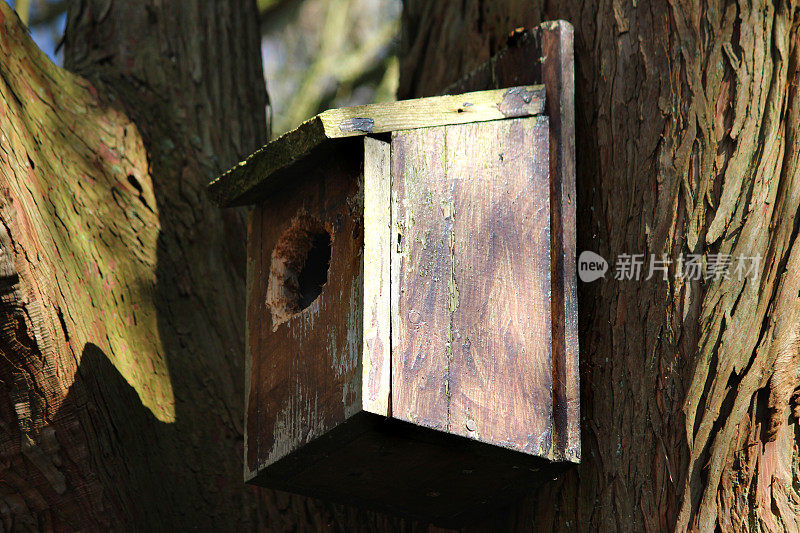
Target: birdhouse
400,324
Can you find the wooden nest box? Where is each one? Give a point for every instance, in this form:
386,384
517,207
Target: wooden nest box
408,347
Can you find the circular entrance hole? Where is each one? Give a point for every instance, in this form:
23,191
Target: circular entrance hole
314,273
299,269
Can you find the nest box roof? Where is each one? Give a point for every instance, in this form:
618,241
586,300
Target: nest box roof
261,172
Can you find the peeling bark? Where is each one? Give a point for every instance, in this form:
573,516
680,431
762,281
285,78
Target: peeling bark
687,143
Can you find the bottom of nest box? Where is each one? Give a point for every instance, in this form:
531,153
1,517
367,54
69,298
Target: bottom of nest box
408,470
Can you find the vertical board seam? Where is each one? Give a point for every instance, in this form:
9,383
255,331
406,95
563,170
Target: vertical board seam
391,285
451,284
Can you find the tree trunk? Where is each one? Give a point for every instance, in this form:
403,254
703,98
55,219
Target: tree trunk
121,287
687,118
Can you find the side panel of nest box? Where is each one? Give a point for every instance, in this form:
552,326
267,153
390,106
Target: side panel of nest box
305,311
471,277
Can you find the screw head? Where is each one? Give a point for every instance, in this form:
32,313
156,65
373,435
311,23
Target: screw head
471,425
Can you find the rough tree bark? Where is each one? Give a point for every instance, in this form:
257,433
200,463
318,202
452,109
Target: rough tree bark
688,142
121,284
121,292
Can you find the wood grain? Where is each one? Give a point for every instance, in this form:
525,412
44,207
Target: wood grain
306,374
558,72
545,55
252,179
455,219
376,350
421,265
500,365
402,115
471,352
256,298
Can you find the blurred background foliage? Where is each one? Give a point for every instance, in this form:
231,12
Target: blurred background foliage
317,54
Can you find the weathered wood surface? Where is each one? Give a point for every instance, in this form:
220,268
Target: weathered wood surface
252,179
318,374
500,368
453,274
422,267
376,349
471,349
453,305
306,372
545,56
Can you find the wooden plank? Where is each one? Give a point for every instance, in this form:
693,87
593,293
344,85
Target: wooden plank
471,282
477,106
558,72
421,264
545,55
252,179
307,368
256,295
376,380
501,368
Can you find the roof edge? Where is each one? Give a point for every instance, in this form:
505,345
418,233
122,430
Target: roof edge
238,185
